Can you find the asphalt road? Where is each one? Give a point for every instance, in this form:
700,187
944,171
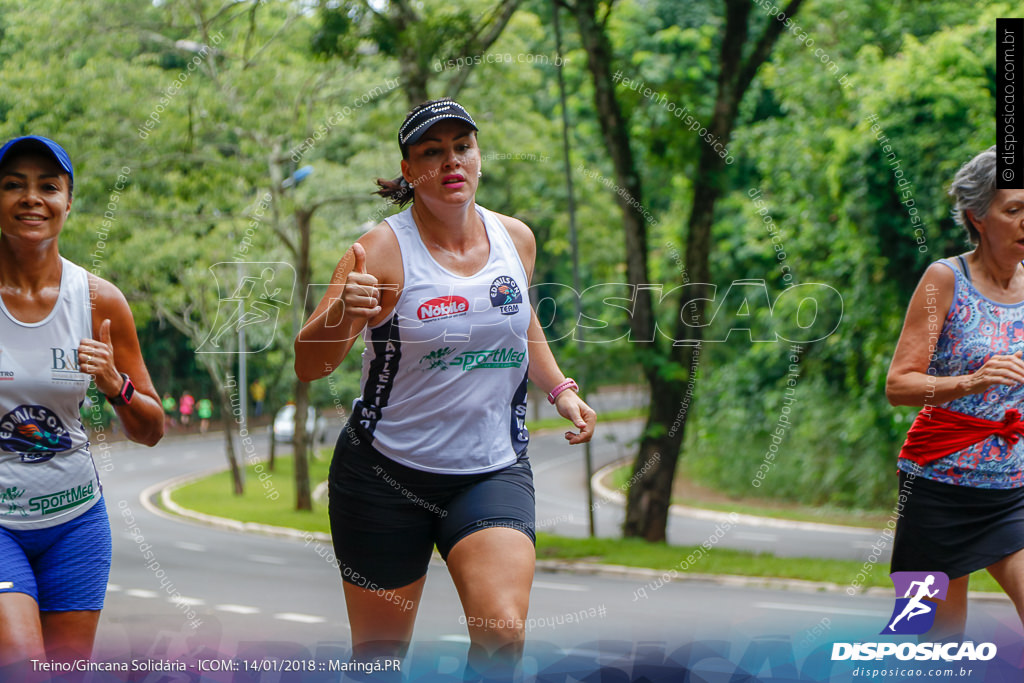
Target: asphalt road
180,590
562,508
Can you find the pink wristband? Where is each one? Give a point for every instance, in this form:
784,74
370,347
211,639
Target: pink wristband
569,383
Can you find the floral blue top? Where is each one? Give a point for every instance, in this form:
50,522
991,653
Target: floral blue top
976,328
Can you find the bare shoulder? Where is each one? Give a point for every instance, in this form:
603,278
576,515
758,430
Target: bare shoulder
523,238
939,281
379,237
519,231
107,300
383,255
934,293
940,274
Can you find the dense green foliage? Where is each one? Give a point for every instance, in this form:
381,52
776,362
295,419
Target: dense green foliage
845,219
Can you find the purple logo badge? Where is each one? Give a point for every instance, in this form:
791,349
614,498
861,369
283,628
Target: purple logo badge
912,614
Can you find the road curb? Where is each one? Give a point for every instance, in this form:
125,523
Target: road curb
164,489
768,582
172,510
616,496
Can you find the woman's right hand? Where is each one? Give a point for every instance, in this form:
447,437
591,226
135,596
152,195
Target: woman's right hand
361,296
1007,370
353,299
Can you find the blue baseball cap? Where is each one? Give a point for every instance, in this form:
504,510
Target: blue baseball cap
41,144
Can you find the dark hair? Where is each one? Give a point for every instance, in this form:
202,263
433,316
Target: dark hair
399,191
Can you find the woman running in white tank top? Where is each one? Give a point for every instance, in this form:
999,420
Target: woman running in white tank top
60,328
435,451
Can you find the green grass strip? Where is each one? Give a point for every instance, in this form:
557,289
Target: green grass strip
213,496
633,552
610,416
869,519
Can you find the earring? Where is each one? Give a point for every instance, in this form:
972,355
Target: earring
479,174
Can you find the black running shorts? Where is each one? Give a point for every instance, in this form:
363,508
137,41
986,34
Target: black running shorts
386,518
955,529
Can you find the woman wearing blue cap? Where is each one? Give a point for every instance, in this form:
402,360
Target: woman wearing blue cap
60,326
435,451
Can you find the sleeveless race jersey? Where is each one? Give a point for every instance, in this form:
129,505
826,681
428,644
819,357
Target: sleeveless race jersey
976,328
444,379
47,475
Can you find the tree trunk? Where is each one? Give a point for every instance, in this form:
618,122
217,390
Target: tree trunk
414,77
416,66
650,494
214,371
300,442
228,420
228,403
614,129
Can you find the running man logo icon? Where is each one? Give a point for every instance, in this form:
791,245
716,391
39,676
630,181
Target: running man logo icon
912,615
263,289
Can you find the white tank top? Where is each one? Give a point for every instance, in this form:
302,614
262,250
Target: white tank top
444,379
47,475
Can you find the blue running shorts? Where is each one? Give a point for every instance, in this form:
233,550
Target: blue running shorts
65,567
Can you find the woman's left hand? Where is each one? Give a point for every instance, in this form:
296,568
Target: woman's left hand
96,358
575,410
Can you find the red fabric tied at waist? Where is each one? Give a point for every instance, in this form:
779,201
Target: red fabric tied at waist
938,432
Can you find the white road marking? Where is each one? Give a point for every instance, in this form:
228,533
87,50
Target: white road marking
238,609
753,536
561,586
301,618
185,545
138,593
182,600
266,559
813,608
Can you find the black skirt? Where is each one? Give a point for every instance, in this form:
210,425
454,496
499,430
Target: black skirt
955,529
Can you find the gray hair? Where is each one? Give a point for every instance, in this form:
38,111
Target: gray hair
974,188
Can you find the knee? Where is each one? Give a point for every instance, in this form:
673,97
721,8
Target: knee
15,649
21,635
375,650
499,630
496,646
511,634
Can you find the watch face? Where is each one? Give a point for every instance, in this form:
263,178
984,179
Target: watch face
128,390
